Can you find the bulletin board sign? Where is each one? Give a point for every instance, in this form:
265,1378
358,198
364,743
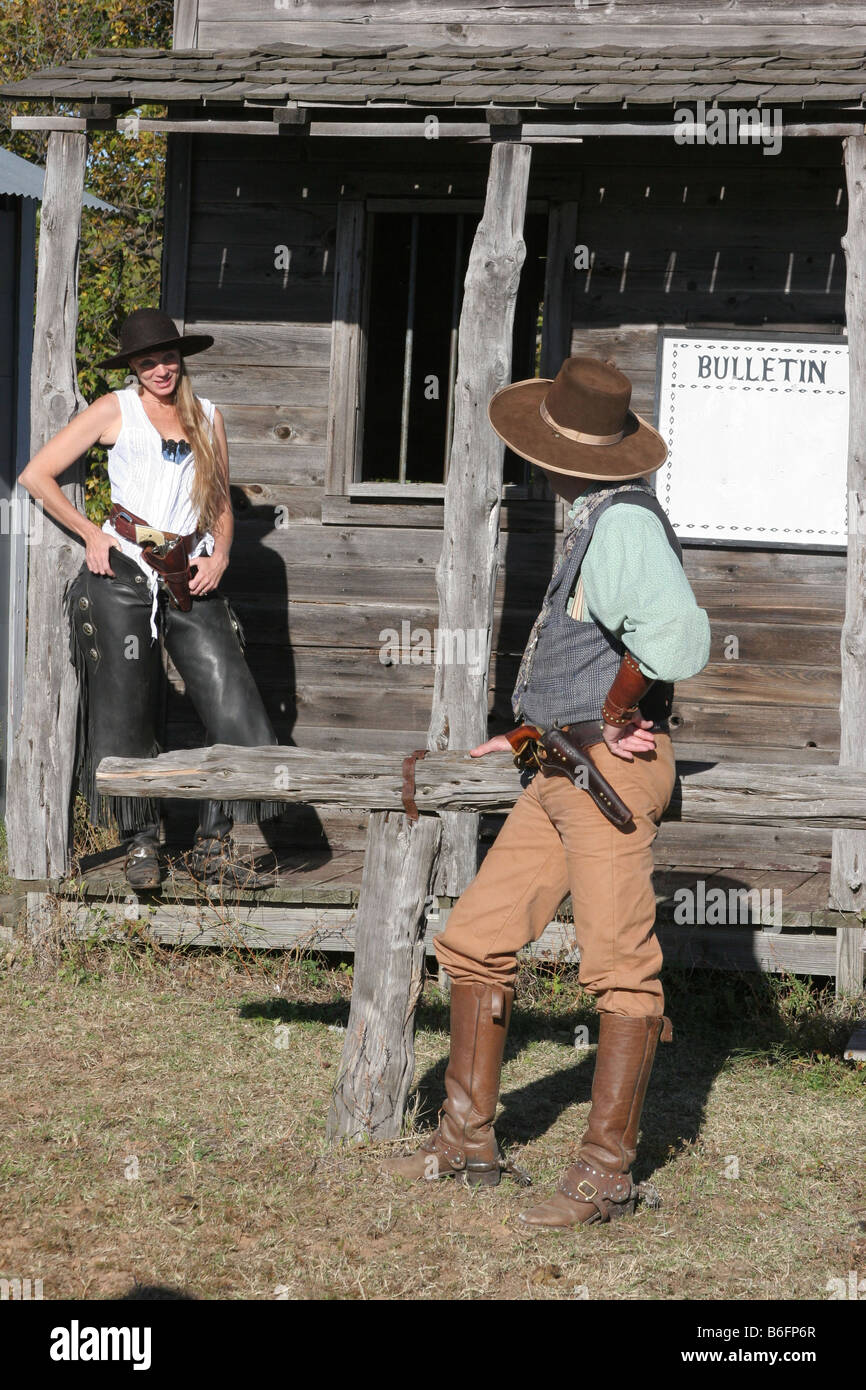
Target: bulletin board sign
757,429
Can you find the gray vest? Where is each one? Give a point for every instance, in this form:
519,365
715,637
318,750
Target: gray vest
568,667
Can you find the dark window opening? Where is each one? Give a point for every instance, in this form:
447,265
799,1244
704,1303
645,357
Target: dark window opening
417,267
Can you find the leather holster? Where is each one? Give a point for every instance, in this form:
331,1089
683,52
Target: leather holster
173,568
170,559
563,750
567,755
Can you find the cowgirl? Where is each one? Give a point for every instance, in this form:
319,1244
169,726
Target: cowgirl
170,531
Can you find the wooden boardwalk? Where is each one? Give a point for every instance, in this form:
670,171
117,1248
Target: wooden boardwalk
307,898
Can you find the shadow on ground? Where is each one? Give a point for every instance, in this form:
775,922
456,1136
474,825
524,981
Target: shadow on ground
153,1292
717,1016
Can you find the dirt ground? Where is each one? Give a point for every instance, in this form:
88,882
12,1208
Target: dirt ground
163,1124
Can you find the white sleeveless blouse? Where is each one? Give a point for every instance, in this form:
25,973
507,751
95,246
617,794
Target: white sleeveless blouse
151,486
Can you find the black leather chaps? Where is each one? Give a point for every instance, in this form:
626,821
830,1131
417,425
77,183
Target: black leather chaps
120,684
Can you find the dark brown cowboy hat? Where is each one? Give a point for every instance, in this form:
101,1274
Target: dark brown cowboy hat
148,329
579,424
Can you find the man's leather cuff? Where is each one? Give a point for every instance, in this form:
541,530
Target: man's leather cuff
629,687
524,746
524,734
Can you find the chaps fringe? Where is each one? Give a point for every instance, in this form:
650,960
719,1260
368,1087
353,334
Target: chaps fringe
129,813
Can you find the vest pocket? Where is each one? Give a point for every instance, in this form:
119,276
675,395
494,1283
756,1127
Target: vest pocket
575,605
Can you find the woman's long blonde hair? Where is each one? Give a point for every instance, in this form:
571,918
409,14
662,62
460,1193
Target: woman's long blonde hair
210,488
209,493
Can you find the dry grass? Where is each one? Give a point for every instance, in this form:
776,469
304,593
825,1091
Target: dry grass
163,1120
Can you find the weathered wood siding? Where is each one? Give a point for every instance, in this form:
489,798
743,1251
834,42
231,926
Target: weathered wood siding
754,240
221,24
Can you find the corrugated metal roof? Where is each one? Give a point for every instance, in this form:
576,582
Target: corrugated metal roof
23,179
793,73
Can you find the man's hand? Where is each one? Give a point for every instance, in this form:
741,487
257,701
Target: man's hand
499,744
209,570
627,739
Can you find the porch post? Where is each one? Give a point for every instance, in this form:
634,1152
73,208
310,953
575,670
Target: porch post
378,1058
40,774
848,869
469,563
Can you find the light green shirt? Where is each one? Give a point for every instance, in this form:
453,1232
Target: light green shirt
634,585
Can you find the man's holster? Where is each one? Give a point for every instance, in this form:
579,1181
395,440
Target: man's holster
556,750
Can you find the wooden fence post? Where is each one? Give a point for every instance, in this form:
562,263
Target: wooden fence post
848,869
378,1060
40,774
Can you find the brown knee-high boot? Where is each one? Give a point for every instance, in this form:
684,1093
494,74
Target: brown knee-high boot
598,1186
464,1141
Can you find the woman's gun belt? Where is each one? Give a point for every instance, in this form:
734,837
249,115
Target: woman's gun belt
563,750
167,552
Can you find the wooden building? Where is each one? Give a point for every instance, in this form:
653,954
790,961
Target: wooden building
327,167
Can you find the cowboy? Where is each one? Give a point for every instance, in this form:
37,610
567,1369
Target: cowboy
155,566
619,623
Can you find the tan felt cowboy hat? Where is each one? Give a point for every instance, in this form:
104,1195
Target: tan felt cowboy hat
148,329
579,424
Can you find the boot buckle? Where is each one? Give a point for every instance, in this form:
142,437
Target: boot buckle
587,1190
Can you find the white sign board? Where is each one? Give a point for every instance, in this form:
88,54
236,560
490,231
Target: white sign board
757,430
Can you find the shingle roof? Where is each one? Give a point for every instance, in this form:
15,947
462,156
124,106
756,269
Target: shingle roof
399,75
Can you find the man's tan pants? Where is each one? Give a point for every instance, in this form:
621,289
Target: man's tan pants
555,840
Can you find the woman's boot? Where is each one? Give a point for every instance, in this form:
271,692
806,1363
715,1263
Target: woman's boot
464,1142
141,865
214,861
598,1186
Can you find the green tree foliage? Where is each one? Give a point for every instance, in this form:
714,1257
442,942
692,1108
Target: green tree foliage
119,265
